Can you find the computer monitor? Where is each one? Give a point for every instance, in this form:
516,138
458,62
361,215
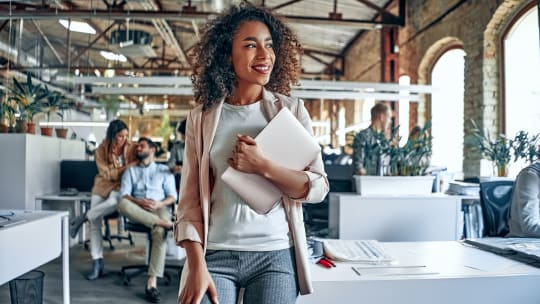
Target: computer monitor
78,174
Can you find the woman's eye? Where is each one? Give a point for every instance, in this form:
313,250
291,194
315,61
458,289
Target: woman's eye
251,46
270,46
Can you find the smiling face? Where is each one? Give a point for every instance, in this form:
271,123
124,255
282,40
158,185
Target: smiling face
121,137
252,54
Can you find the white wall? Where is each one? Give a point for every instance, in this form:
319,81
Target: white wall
30,165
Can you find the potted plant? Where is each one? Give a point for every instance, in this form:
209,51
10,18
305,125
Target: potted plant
49,106
526,148
63,105
497,150
7,113
27,97
403,167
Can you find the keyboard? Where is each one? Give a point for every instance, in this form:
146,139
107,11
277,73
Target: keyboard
11,222
356,251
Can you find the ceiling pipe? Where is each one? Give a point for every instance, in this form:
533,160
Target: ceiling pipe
163,28
175,15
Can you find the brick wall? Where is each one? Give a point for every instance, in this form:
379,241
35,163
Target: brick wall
432,27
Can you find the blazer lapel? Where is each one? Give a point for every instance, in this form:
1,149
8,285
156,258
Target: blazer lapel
270,104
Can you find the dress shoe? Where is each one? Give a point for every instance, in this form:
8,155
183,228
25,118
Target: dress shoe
97,269
152,294
76,225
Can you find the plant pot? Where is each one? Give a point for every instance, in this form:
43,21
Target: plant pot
46,131
393,185
31,128
502,170
21,126
4,128
61,132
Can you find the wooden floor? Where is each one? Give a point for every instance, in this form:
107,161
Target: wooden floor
105,290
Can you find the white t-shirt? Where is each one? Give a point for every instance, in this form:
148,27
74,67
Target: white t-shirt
233,224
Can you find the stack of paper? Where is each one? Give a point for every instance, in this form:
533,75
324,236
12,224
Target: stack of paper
462,188
363,251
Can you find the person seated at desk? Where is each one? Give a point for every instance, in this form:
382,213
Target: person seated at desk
113,156
524,220
147,189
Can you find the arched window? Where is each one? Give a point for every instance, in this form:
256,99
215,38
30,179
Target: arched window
447,110
522,78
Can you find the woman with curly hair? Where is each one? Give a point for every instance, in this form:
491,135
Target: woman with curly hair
245,65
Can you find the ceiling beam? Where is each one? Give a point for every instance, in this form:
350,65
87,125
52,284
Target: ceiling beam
385,15
284,4
117,69
3,25
48,13
319,60
36,25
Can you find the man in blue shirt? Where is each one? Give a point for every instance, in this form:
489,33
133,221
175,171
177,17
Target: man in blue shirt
147,190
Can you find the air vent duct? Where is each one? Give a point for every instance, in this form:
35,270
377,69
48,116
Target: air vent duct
133,43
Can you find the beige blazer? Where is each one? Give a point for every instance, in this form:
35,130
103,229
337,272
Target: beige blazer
197,181
109,172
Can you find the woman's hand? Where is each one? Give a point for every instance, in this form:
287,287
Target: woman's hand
198,283
247,156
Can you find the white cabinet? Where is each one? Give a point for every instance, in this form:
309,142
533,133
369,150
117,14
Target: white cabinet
30,165
433,217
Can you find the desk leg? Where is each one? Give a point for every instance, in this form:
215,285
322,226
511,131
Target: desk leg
65,258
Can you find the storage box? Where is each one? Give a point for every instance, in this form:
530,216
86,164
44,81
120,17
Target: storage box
393,185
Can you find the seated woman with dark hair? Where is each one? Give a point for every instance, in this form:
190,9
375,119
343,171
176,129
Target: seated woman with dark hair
113,156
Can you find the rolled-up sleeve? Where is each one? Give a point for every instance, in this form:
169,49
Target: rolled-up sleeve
189,223
318,182
169,188
126,186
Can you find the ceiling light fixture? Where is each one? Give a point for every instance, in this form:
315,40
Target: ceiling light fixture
113,56
78,26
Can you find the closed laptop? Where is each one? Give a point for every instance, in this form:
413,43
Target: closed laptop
283,141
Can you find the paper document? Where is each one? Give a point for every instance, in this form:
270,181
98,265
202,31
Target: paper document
284,141
364,251
527,246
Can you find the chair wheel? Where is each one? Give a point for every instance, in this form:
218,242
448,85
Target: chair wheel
112,248
167,279
126,281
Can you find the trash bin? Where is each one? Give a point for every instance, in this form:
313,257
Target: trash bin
28,288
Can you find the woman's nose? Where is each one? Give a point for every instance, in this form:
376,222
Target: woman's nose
262,53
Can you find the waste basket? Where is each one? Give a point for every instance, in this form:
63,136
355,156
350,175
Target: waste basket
28,288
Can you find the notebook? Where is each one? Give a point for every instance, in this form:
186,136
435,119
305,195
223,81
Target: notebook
284,141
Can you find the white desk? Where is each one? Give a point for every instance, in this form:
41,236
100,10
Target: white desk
387,218
40,238
76,200
463,275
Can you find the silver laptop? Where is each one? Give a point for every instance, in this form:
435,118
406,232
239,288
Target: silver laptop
284,141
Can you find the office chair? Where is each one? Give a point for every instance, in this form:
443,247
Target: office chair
107,236
495,199
143,268
316,215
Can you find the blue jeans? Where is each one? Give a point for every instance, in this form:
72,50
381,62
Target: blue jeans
266,276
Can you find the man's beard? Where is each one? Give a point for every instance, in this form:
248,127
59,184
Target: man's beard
142,156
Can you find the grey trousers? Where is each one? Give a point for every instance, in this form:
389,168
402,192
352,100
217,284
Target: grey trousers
99,207
147,218
267,277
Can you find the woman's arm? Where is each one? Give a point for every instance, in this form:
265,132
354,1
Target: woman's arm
247,157
199,281
309,185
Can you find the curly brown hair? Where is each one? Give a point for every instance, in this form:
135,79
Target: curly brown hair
213,74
